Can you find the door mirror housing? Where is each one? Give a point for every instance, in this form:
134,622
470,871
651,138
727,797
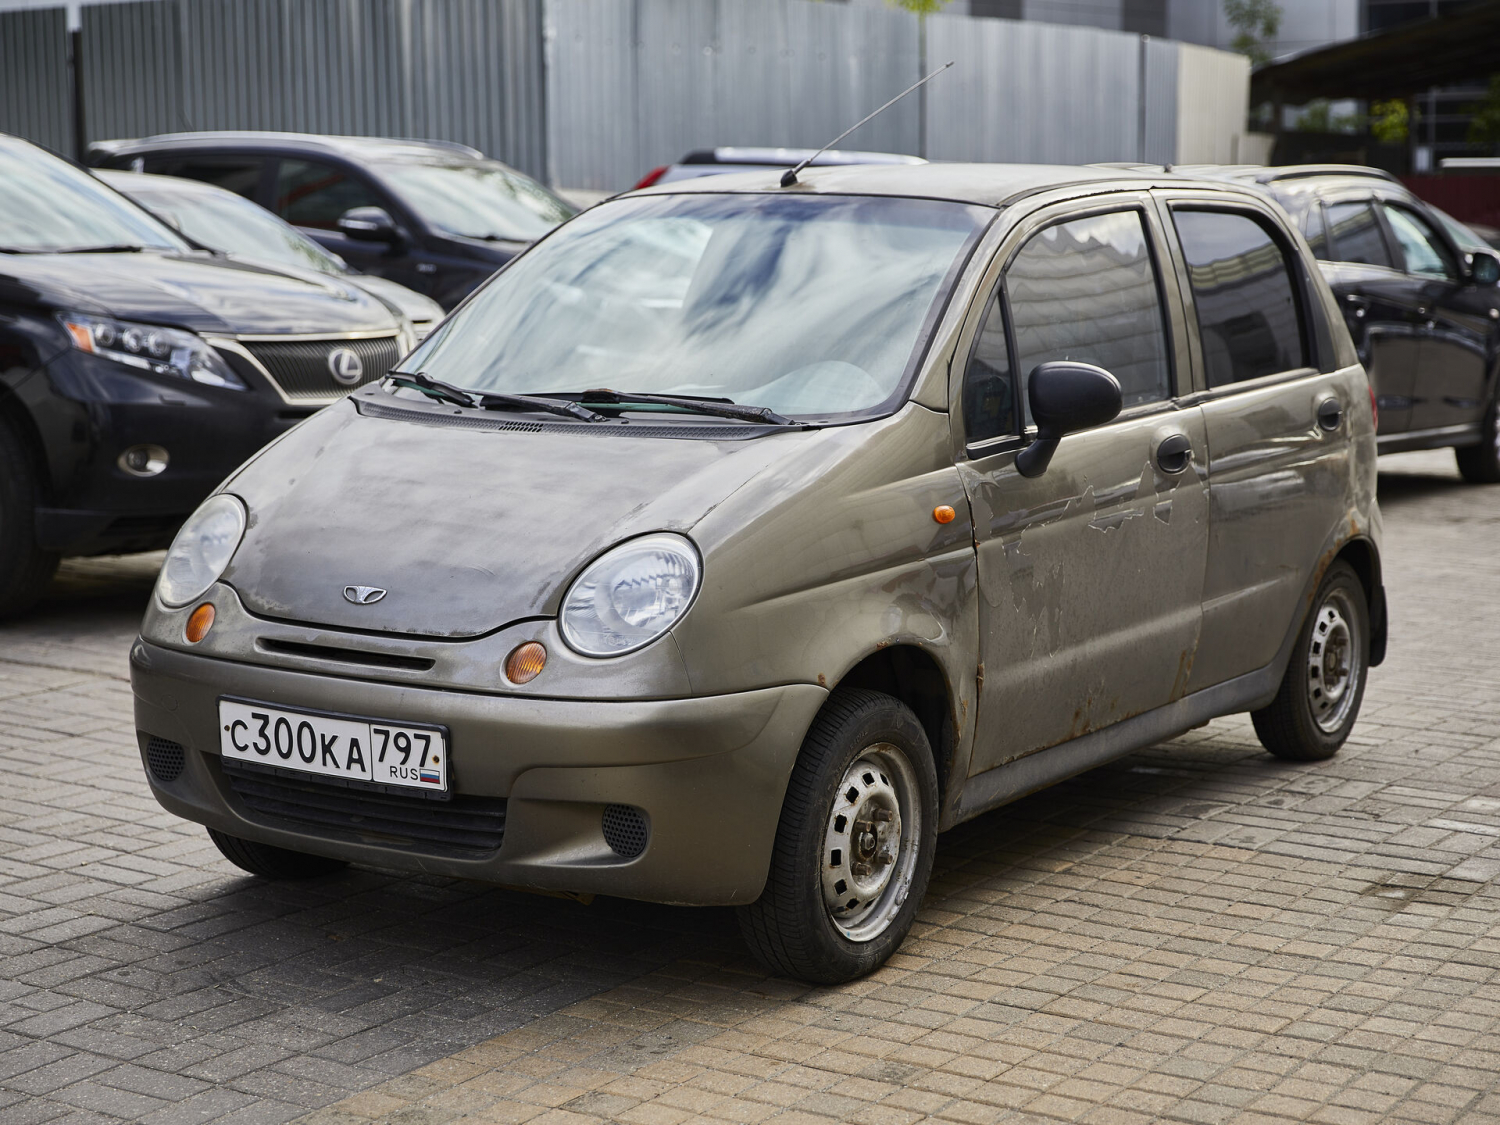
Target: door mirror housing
369,224
1065,397
1484,267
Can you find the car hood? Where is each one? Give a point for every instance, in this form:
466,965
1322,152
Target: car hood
467,530
193,291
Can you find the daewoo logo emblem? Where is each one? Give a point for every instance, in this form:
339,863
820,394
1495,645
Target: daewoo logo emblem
345,366
363,595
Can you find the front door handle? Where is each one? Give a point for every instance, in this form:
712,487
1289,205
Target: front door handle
1174,454
1330,414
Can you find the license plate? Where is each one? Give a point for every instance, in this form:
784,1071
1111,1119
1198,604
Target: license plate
372,750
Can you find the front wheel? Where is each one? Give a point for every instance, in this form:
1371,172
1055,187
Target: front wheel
1480,464
1319,698
855,845
25,569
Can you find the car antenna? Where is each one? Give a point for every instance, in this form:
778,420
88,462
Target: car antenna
789,177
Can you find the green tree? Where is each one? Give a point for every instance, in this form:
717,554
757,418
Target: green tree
920,7
1484,127
1318,117
1390,121
1256,23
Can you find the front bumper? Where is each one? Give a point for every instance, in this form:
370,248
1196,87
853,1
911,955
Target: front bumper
709,774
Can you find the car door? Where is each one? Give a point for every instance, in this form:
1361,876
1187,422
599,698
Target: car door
1277,419
1090,574
1450,383
1381,305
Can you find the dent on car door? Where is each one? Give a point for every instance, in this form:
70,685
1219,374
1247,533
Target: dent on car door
1278,432
1449,388
1091,573
1380,305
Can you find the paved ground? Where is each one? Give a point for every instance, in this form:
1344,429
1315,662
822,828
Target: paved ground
1197,933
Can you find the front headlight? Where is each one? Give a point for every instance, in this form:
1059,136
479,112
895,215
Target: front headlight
161,351
201,550
631,595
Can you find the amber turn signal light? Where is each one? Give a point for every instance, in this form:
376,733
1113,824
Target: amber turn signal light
525,663
944,513
199,622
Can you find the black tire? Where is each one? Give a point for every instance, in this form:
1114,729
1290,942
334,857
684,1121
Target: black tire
25,569
271,862
1480,464
790,928
1309,719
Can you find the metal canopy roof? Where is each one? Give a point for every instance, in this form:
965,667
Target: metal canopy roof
1390,64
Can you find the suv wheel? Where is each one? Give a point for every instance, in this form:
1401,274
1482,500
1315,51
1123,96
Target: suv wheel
1319,698
25,569
855,845
1480,464
272,862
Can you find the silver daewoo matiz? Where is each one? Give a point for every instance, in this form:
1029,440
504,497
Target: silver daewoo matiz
736,539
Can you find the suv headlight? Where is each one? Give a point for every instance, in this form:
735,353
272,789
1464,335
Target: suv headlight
161,351
630,595
201,550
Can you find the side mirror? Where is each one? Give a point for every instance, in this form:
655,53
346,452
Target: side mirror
1065,397
368,224
1484,267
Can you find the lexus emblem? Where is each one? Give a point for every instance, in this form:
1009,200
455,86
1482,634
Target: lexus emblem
363,595
345,366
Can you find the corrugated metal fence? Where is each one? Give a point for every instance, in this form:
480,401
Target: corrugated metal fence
592,93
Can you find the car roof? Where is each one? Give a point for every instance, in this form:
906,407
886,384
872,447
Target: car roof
1297,182
358,148
786,157
991,185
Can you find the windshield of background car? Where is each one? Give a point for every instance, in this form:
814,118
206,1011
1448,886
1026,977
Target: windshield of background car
225,222
477,200
47,205
807,305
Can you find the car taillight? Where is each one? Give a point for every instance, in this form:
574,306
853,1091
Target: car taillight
1374,410
651,177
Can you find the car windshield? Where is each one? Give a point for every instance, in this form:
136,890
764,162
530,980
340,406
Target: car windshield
47,205
807,305
1466,239
233,225
474,199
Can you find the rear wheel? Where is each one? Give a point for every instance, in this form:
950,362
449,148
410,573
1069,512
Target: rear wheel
855,845
271,862
1480,464
25,569
1319,698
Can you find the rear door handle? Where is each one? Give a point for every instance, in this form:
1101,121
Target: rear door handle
1174,454
1330,414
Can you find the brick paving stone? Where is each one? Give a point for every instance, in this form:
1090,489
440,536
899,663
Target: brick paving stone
1197,933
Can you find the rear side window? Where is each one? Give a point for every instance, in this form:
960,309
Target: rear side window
1242,287
1356,235
1423,250
1087,290
240,175
313,194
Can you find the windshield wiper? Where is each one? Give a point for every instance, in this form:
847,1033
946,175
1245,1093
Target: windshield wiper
118,248
698,404
484,400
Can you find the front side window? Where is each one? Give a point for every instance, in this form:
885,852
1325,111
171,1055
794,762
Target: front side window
1356,234
1242,287
1421,247
1086,290
813,306
312,194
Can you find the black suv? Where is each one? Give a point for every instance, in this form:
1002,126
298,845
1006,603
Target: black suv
1424,311
136,372
435,217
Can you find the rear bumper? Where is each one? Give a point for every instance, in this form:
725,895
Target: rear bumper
709,774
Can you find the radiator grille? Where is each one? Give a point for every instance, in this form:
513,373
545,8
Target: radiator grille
301,370
464,824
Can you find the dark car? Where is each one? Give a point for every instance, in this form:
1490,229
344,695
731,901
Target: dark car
435,217
1424,311
136,371
725,160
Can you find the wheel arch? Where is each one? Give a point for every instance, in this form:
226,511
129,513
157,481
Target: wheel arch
1363,556
910,673
15,415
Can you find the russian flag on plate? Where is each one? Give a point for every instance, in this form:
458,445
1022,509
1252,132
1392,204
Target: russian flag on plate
431,777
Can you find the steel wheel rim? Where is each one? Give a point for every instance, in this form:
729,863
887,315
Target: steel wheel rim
1333,662
871,843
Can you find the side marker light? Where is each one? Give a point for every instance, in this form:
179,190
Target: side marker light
944,513
525,663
